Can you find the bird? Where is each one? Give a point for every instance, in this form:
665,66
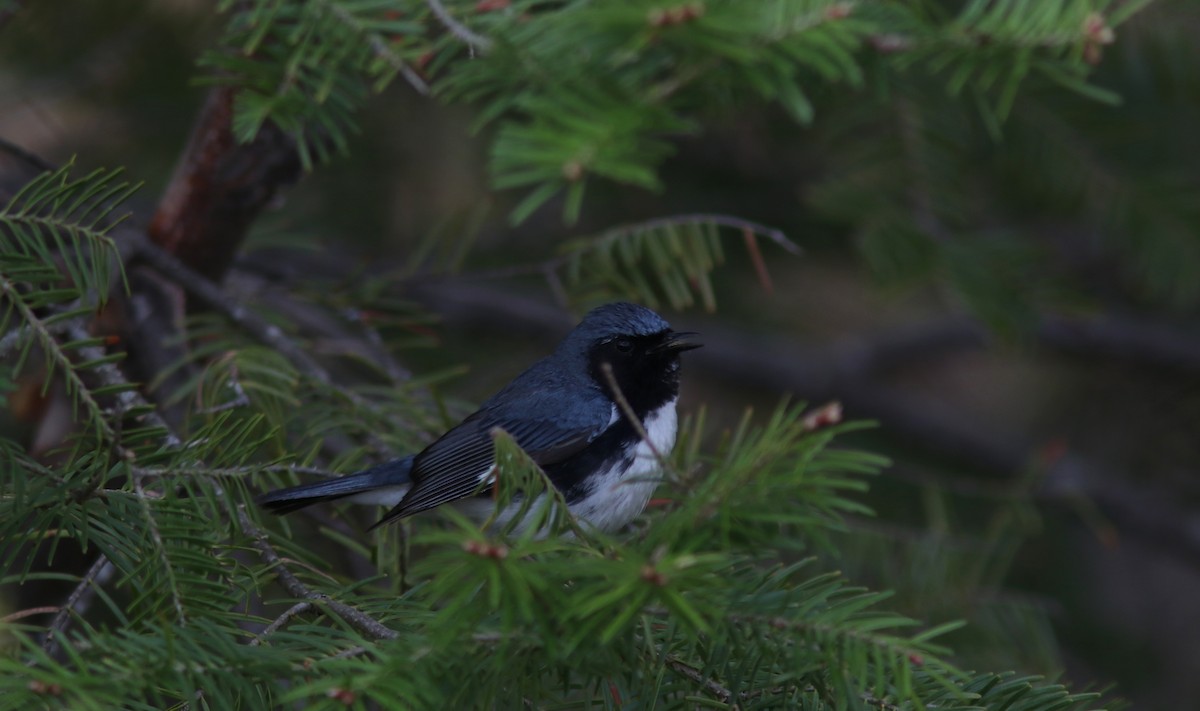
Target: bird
564,412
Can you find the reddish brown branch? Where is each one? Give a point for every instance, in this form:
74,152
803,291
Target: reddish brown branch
219,188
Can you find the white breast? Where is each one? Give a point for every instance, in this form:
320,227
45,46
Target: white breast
622,492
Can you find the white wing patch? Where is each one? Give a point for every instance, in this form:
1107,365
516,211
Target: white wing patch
387,496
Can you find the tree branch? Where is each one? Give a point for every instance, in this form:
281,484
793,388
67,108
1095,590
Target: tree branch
689,672
24,155
357,619
220,186
381,50
129,398
295,610
213,297
475,41
257,327
77,603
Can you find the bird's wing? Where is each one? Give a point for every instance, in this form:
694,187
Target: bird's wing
455,465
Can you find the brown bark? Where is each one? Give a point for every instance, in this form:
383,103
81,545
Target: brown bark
219,188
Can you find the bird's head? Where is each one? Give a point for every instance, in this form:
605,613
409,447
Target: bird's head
640,350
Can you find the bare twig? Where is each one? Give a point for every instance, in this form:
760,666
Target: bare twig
627,410
380,48
398,373
110,375
241,400
28,612
156,536
351,652
475,41
77,603
237,471
756,258
1130,340
20,333
76,332
295,610
689,672
250,322
24,155
211,294
736,223
356,618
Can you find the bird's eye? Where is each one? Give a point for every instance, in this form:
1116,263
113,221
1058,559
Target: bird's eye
624,345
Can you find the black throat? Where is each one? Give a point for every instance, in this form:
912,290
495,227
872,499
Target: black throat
646,377
636,369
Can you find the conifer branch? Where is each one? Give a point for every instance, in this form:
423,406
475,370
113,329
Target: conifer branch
286,616
736,223
27,612
46,337
357,619
253,324
220,186
77,603
128,398
102,569
472,39
160,548
351,652
212,296
689,672
379,350
19,333
237,471
380,48
110,375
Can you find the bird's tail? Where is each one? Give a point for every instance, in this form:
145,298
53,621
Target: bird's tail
385,484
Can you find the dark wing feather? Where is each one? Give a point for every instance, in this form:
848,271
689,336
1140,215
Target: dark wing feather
452,468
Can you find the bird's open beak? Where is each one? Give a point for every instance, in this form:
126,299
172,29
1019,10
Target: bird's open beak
678,341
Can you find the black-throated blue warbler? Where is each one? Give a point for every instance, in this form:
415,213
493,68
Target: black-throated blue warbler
564,413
